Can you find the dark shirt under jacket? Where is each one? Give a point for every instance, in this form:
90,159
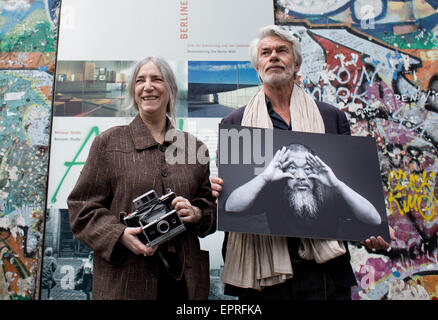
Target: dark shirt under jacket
123,163
335,122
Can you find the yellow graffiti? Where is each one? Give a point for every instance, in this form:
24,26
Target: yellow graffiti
413,192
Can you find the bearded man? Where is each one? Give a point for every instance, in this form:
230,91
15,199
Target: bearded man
275,267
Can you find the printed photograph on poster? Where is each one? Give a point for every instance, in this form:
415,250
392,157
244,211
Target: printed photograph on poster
99,88
216,88
67,272
299,184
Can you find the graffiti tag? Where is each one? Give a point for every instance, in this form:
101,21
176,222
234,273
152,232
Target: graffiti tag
412,192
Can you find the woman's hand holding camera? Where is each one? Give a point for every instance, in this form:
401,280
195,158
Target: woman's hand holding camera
186,211
130,241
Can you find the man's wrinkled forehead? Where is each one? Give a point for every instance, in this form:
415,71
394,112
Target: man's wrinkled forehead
273,42
298,157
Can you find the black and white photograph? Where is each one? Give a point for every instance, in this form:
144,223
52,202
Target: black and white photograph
300,184
67,271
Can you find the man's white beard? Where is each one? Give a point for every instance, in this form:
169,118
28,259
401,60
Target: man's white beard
305,203
277,79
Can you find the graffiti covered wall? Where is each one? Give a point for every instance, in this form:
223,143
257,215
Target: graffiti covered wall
27,58
378,62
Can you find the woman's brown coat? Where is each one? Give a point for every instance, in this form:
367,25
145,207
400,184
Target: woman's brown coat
125,162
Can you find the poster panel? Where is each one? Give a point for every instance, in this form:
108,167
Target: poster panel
99,42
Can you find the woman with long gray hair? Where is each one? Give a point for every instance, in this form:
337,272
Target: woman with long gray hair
125,162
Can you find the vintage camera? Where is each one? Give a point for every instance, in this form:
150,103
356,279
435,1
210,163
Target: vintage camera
159,221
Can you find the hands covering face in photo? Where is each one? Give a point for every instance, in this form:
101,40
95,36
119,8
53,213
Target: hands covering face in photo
299,166
320,171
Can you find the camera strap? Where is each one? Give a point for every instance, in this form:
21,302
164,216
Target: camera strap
164,260
172,273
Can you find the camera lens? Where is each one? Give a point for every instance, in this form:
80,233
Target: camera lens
163,226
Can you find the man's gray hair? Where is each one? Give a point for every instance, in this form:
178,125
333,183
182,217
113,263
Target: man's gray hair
169,79
299,147
274,30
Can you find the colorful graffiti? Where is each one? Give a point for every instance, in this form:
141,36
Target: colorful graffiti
378,62
27,55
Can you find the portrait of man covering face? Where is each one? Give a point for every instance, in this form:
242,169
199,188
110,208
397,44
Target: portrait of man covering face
298,194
